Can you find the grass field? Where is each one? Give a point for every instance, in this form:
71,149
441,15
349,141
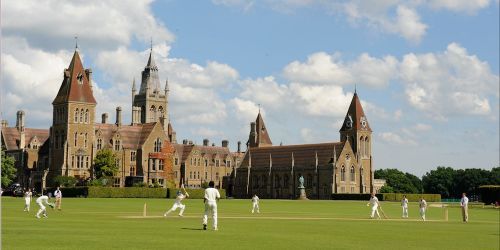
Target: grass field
282,224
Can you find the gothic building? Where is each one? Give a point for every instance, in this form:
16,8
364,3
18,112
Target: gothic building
146,149
337,167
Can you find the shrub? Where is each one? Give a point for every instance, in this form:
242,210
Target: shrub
490,193
127,192
410,197
198,193
65,181
358,197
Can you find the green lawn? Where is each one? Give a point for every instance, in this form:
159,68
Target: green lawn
282,224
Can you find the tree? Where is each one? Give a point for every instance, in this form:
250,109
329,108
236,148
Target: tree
65,181
386,189
105,164
8,169
400,182
439,181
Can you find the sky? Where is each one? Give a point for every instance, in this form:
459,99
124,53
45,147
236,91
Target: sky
426,71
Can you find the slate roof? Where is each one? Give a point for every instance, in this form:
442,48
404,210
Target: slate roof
11,136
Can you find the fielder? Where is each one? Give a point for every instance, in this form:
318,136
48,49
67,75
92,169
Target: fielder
404,205
43,199
255,204
375,204
27,200
423,208
177,204
464,203
58,195
210,200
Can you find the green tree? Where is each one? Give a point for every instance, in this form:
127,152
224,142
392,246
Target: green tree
65,181
105,164
439,181
399,181
386,189
8,169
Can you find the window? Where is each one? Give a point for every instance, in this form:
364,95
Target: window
117,163
76,138
81,116
228,164
117,145
132,170
56,142
87,162
99,144
116,182
206,175
175,174
161,165
352,174
161,181
73,161
198,175
176,160
132,155
157,147
206,162
367,146
76,115
342,173
191,159
352,190
86,116
190,175
217,177
85,140
152,113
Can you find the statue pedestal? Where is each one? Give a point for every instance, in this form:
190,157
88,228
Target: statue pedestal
303,195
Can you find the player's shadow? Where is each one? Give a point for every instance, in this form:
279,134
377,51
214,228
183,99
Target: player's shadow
193,229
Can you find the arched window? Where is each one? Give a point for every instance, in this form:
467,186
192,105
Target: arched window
353,175
81,116
161,112
76,138
157,148
367,147
99,144
117,145
161,165
86,116
342,173
362,146
152,113
86,137
76,115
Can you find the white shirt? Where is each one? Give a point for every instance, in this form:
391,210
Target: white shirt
374,201
255,199
27,196
43,198
58,194
404,202
179,198
464,201
211,194
423,204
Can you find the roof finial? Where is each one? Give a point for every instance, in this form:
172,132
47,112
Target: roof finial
355,88
259,107
151,44
76,42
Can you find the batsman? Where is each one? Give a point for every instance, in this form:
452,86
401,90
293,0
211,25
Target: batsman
181,195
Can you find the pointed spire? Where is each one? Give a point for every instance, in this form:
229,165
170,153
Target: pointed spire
76,42
263,138
355,117
355,89
133,86
166,86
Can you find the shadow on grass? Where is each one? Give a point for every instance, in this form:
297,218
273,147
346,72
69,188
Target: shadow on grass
193,229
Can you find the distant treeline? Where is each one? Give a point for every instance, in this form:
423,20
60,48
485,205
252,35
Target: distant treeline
448,182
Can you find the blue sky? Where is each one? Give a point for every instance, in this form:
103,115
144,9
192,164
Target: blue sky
426,71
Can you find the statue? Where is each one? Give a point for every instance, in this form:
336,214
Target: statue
301,181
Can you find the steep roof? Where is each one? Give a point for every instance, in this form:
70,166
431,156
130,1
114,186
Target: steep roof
210,152
132,137
354,115
75,86
150,79
303,155
262,134
11,136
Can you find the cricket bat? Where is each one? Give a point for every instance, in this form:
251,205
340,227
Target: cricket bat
182,186
383,213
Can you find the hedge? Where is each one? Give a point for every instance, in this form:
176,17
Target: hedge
197,193
129,192
410,197
358,197
490,193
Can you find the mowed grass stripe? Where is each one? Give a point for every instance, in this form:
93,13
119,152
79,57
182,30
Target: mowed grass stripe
99,224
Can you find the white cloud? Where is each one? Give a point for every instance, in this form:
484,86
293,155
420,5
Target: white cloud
468,6
99,24
393,138
421,127
320,68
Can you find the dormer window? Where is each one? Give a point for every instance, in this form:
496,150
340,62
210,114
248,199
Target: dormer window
79,78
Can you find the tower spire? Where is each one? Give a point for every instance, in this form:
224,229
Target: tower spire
76,42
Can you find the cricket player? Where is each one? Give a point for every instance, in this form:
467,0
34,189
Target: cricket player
212,195
464,203
58,195
27,200
40,201
423,208
404,205
375,204
255,204
178,199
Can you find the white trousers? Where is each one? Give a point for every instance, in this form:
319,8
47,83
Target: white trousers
375,210
255,207
210,207
42,210
422,213
27,203
405,212
175,206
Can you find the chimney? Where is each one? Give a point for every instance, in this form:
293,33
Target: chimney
190,142
118,116
88,72
5,123
104,118
20,121
205,142
225,143
135,115
239,147
184,142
